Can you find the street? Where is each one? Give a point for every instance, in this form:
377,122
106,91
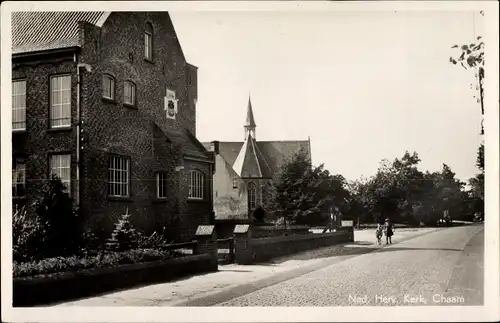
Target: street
420,262
441,268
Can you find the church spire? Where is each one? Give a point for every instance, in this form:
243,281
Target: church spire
250,121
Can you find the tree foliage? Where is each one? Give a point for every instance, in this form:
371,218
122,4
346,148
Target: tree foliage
62,225
402,192
303,193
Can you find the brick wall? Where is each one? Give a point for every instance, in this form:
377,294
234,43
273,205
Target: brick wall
38,141
111,128
117,49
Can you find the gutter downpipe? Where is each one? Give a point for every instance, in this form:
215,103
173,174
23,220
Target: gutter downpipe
78,124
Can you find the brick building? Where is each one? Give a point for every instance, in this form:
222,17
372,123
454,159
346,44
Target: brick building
107,101
244,170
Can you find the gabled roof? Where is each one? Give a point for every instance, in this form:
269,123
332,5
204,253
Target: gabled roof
250,162
276,153
34,31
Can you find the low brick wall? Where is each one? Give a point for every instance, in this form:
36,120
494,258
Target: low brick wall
30,291
278,231
225,228
267,248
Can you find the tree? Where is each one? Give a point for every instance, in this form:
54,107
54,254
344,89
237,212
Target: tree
62,225
303,193
357,205
395,189
480,158
472,56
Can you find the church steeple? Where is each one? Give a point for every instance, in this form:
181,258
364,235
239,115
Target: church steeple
250,121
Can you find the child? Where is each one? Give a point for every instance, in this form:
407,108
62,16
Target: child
389,231
378,233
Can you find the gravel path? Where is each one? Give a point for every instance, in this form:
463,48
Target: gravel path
413,272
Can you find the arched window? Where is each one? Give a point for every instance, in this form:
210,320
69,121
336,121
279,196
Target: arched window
252,196
148,41
129,93
196,184
108,87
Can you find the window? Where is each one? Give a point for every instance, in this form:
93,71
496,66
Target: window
252,196
19,105
129,93
119,176
161,185
108,87
18,178
148,42
196,184
60,165
60,106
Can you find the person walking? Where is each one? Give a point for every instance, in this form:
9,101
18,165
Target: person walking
389,231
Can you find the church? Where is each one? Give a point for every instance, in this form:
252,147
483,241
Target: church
244,170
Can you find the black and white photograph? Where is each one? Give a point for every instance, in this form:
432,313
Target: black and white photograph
241,161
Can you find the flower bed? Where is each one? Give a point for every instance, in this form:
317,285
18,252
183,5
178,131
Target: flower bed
77,263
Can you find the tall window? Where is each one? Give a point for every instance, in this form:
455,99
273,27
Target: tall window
18,178
148,41
129,93
108,87
161,185
196,184
19,105
60,165
60,102
119,176
252,196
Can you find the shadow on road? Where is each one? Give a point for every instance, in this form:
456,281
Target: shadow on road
355,248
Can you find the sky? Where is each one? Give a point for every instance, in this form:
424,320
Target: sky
363,86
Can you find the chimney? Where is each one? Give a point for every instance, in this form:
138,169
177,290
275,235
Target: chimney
215,147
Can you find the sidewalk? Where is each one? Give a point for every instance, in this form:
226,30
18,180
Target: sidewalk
237,279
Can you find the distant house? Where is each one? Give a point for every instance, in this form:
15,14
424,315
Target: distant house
244,170
107,101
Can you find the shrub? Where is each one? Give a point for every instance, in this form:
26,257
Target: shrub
28,236
63,234
259,214
75,263
124,236
155,240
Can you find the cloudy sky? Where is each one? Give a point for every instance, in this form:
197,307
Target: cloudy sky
363,85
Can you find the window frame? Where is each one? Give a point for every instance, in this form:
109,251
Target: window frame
133,93
112,87
15,172
148,41
158,186
127,176
23,108
51,101
254,190
196,185
64,181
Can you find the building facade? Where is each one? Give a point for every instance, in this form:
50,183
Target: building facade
107,101
245,170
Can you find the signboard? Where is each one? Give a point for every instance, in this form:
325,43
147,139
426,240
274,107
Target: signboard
171,104
347,223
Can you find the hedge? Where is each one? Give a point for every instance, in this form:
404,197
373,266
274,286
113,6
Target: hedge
76,263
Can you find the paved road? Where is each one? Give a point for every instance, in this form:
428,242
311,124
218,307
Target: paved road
440,268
